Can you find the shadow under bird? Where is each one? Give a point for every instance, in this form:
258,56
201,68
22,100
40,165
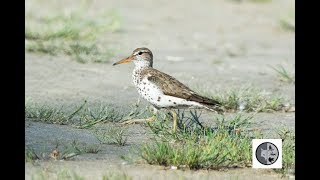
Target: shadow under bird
162,90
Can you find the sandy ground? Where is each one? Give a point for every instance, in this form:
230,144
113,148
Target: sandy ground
214,44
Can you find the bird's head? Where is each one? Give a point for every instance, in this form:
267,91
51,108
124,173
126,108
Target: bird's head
140,57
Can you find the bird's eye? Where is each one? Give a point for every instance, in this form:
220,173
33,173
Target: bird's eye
140,53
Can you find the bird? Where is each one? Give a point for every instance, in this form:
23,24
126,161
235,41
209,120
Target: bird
162,90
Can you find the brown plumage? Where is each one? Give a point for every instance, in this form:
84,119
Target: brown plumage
172,87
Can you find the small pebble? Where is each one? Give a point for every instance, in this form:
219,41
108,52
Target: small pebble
242,105
174,167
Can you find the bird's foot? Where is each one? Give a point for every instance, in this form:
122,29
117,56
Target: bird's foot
134,121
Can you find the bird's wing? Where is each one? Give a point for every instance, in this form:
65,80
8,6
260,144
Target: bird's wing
172,87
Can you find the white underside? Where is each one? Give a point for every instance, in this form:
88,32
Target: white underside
151,93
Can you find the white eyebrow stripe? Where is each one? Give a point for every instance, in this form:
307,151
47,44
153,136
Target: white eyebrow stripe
143,51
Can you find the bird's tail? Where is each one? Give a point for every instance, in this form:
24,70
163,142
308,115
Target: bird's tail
208,103
215,108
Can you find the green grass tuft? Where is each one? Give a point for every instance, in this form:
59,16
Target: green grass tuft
201,148
247,100
83,53
30,155
288,150
81,117
75,148
74,34
195,146
97,114
283,74
45,114
51,115
113,134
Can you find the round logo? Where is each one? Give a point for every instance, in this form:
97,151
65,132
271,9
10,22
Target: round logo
267,153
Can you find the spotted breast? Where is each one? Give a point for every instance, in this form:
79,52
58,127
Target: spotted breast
154,93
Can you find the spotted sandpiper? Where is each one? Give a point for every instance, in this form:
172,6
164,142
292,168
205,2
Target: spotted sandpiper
162,90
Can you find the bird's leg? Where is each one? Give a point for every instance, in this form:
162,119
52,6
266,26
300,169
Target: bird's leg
174,117
133,121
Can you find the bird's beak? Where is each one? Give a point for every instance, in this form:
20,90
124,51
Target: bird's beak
125,60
